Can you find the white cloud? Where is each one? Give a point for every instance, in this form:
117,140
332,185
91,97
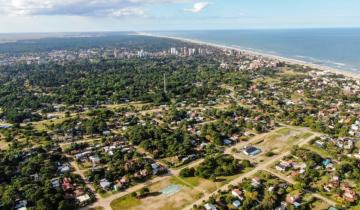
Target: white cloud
126,12
117,8
198,7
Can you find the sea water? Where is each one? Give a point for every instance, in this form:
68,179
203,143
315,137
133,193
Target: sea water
338,47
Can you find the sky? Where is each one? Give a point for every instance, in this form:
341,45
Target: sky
151,15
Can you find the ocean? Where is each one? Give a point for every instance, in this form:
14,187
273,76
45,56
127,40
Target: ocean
337,48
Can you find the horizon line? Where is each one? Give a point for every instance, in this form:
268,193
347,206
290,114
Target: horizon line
162,30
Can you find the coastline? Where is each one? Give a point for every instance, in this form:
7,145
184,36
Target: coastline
280,58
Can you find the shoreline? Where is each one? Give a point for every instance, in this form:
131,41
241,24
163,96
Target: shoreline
280,58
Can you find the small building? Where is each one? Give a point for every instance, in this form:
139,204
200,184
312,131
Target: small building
83,198
105,184
251,151
227,142
237,193
21,205
256,182
94,159
55,182
64,169
106,133
297,204
210,206
281,168
320,144
5,126
236,203
326,162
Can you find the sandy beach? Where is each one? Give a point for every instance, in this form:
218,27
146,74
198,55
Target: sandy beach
283,59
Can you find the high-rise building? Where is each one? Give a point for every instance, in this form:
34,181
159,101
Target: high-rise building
201,51
191,51
116,53
173,51
141,53
185,51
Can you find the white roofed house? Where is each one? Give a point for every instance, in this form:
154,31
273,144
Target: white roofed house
21,205
237,193
210,206
94,159
105,184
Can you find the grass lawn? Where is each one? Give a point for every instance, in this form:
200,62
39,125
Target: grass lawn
282,139
199,183
3,145
357,207
126,202
320,151
97,208
317,203
357,144
284,131
158,201
41,125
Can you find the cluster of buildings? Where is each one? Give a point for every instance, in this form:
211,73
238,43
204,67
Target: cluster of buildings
93,156
336,186
95,54
355,129
341,143
185,51
239,195
72,191
245,61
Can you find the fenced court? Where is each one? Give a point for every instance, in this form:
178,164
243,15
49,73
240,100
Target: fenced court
170,190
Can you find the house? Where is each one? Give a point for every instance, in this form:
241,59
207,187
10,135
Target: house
94,159
121,183
326,162
210,206
83,198
106,133
81,155
251,151
105,184
255,182
21,205
55,182
155,167
281,167
271,189
64,168
124,180
188,158
348,194
296,204
227,142
282,206
5,126
292,198
67,185
237,193
141,174
35,177
320,144
118,186
236,203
